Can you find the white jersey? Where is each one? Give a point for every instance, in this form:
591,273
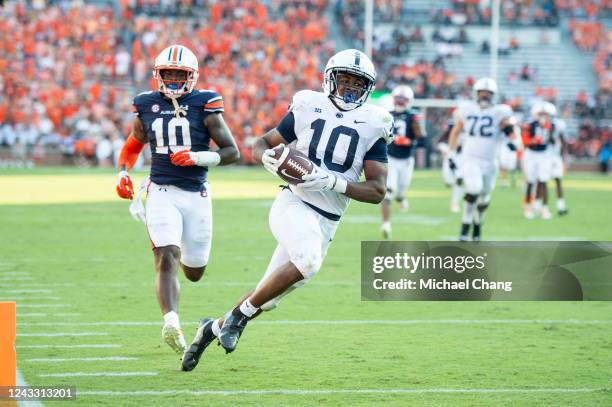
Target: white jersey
560,126
482,129
337,141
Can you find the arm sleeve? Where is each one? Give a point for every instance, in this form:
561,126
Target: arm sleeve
378,152
287,127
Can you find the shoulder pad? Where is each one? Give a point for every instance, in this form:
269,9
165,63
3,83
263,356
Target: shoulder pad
303,98
382,120
504,110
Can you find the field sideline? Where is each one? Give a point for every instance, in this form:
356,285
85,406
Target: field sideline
82,274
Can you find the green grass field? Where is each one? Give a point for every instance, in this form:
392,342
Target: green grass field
86,268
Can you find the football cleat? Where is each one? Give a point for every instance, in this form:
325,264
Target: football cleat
386,230
562,212
455,208
173,336
404,205
545,213
529,212
204,337
232,329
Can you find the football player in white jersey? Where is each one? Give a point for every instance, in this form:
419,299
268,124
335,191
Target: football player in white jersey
452,176
486,125
343,136
556,155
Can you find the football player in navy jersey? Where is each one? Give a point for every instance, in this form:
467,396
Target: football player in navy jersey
401,160
178,122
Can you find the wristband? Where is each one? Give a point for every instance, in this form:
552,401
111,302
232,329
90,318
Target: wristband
207,158
340,185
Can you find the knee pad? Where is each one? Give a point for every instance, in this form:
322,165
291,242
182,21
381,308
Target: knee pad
470,198
308,262
389,195
482,206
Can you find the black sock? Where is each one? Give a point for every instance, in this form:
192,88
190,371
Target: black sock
476,230
465,229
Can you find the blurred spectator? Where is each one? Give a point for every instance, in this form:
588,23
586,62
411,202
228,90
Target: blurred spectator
526,72
604,156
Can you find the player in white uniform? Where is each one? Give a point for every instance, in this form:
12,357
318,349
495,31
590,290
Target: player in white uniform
343,137
452,176
556,155
486,126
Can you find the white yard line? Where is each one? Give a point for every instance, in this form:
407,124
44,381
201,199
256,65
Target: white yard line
350,322
16,278
87,345
292,392
94,359
44,314
21,305
25,285
21,382
24,291
63,334
100,374
30,298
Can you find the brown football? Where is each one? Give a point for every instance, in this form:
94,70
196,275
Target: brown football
293,164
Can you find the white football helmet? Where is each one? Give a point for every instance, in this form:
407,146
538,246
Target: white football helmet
354,62
486,84
550,109
402,97
176,57
540,108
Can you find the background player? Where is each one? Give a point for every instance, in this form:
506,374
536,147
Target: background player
341,135
179,123
557,150
485,124
452,176
406,129
537,138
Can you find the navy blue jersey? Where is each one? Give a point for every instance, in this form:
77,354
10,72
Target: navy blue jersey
538,136
405,137
168,134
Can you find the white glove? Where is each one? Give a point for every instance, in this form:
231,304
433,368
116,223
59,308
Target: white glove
321,180
137,209
269,162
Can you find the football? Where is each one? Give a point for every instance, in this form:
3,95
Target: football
293,164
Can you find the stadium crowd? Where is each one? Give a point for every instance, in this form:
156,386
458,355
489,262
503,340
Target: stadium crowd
68,71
